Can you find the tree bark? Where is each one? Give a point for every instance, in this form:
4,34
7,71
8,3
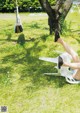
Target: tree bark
56,13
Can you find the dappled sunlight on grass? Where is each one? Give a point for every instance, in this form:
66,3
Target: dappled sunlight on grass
23,86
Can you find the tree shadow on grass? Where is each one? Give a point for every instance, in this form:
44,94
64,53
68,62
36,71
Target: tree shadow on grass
37,68
47,80
35,25
4,72
33,68
20,39
58,80
9,36
38,79
44,37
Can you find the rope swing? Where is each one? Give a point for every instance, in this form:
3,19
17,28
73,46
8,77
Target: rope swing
18,25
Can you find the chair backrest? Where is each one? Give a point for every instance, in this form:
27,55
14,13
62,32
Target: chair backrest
66,71
66,57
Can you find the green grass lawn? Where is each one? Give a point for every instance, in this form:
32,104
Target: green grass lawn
23,86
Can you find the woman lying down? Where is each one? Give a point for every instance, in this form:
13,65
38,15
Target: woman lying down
75,78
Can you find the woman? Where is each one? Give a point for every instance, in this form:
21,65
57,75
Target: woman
75,78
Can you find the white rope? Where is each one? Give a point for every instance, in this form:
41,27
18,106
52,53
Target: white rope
18,20
18,25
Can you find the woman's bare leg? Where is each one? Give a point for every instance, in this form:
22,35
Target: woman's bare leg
77,75
75,58
68,49
75,65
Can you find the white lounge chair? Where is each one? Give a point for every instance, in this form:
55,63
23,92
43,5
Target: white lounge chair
64,71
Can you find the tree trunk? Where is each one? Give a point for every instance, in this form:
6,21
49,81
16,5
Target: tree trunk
56,13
